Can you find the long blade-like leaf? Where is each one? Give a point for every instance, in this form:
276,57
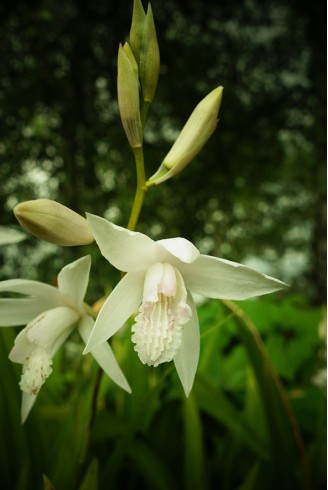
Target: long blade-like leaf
290,468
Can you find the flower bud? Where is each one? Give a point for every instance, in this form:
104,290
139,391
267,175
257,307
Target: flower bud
149,58
53,222
137,25
128,95
195,133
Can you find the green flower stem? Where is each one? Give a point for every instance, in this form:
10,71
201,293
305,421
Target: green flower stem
134,216
217,325
141,188
151,182
90,311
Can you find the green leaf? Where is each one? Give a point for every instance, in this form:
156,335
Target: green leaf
70,443
212,401
194,450
253,413
90,481
250,481
22,455
47,485
140,408
287,450
15,448
291,330
151,466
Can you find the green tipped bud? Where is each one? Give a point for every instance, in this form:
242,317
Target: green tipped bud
149,58
128,95
195,133
53,222
137,25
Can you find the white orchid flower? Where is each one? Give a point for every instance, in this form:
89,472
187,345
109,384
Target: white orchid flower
160,276
51,314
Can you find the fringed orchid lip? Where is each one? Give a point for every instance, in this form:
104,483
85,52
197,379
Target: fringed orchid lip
162,315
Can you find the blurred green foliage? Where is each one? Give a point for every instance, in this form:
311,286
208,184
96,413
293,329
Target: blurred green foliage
236,431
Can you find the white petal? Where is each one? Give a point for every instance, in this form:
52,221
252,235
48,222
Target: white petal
126,250
119,306
49,295
10,235
180,248
73,280
219,278
186,359
36,369
22,348
52,327
14,311
49,330
104,355
152,281
27,404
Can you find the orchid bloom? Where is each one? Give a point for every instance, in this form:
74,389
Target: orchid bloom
51,314
160,277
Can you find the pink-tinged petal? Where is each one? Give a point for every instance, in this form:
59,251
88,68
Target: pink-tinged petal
15,311
27,404
218,278
186,359
119,306
49,295
73,280
180,248
126,250
104,355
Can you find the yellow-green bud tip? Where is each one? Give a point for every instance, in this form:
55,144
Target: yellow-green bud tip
149,58
196,132
53,222
194,135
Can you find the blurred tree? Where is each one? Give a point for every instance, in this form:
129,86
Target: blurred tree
256,190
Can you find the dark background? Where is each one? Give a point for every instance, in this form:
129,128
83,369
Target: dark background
255,194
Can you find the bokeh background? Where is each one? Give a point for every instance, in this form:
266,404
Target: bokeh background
255,194
257,189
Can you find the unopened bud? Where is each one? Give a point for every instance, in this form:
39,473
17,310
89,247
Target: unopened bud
195,133
137,25
149,58
128,95
53,222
